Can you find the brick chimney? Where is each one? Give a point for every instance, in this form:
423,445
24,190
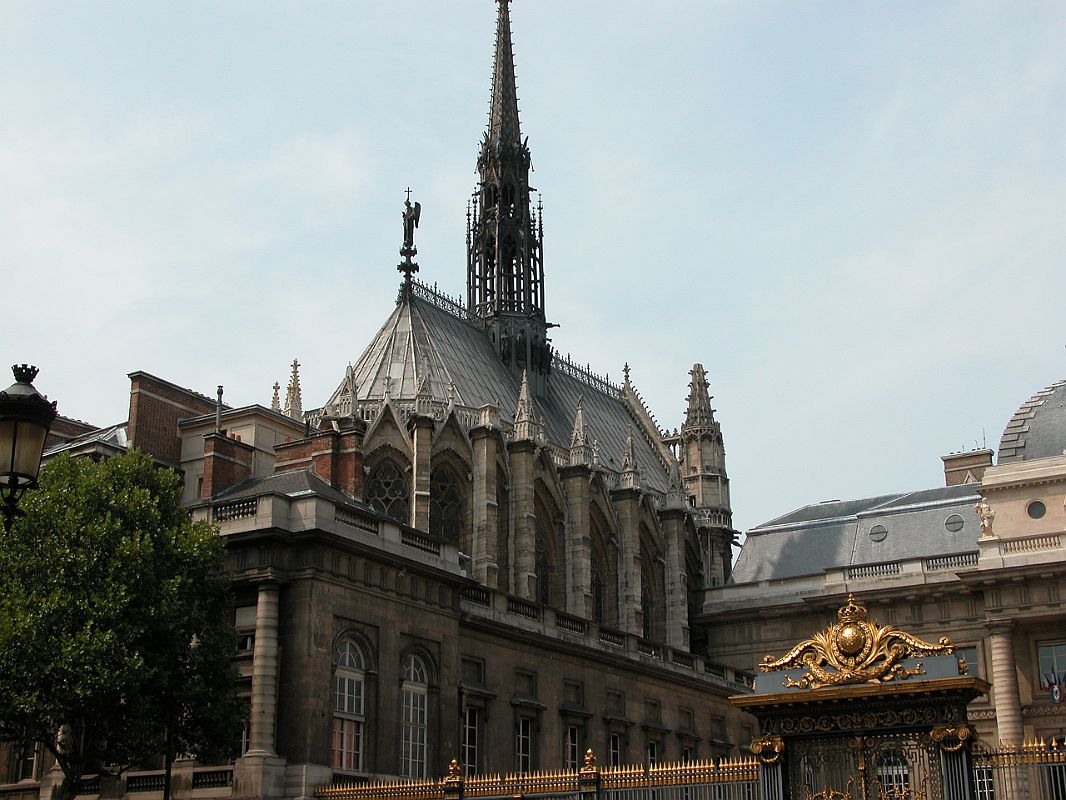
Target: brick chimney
334,454
227,461
967,467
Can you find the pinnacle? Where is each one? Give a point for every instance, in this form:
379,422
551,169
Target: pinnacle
700,413
293,398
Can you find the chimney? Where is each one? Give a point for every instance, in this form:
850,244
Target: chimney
226,462
966,467
334,454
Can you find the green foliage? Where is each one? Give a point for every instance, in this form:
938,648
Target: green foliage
115,620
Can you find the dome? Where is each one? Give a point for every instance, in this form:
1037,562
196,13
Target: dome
1038,427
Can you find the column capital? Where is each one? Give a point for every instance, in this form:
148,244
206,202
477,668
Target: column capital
1000,625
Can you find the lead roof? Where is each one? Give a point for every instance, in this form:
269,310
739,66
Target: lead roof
420,339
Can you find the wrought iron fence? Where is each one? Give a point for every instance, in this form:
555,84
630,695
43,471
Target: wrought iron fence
722,779
1035,770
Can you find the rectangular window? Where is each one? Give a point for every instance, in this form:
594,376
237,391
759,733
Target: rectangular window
1052,660
470,733
413,734
973,662
524,745
26,767
347,744
614,750
652,753
572,747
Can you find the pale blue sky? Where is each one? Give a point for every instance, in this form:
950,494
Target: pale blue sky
850,213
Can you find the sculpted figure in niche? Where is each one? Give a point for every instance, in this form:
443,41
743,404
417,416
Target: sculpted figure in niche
986,514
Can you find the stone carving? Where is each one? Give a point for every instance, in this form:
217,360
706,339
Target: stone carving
986,513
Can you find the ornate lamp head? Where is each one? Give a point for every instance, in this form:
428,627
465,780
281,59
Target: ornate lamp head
25,417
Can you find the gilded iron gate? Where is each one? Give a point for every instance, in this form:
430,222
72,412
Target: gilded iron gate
863,711
889,767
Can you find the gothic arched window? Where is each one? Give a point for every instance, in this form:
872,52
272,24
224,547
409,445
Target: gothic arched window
387,491
598,586
415,720
445,505
544,566
647,605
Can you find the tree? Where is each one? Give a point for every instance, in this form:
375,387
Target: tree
116,636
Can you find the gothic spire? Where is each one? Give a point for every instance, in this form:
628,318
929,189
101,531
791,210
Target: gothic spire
293,400
525,416
699,414
580,444
630,475
505,272
503,109
275,403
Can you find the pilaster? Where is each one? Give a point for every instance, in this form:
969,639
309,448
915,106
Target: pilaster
524,583
485,508
627,505
575,479
421,429
672,521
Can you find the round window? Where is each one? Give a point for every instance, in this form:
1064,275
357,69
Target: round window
1036,509
878,533
954,523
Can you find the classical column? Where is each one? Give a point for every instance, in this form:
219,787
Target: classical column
264,672
1005,683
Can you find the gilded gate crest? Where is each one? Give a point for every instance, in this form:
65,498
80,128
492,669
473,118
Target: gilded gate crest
855,650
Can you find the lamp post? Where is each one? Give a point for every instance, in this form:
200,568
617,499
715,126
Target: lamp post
25,417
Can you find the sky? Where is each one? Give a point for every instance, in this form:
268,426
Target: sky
850,213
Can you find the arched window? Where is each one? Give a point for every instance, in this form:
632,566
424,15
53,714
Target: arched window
543,566
413,734
647,605
598,585
349,701
387,491
445,505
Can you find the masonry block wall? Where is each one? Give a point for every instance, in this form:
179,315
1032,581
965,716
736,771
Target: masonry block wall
156,406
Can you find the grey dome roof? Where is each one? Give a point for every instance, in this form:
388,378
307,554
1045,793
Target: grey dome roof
1038,427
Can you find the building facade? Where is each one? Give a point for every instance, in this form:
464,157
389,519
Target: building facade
474,549
981,559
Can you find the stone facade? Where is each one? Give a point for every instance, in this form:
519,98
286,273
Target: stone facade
983,562
475,548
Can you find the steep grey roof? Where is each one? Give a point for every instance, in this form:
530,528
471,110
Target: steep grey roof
1038,427
291,484
421,339
838,533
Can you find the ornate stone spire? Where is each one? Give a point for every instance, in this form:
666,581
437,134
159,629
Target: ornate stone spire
630,474
275,403
424,398
293,399
580,445
503,108
505,274
699,414
525,415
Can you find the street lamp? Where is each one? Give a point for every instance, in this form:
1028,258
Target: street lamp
25,417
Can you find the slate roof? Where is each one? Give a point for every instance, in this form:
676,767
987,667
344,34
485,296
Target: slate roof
1038,427
837,533
421,338
291,484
